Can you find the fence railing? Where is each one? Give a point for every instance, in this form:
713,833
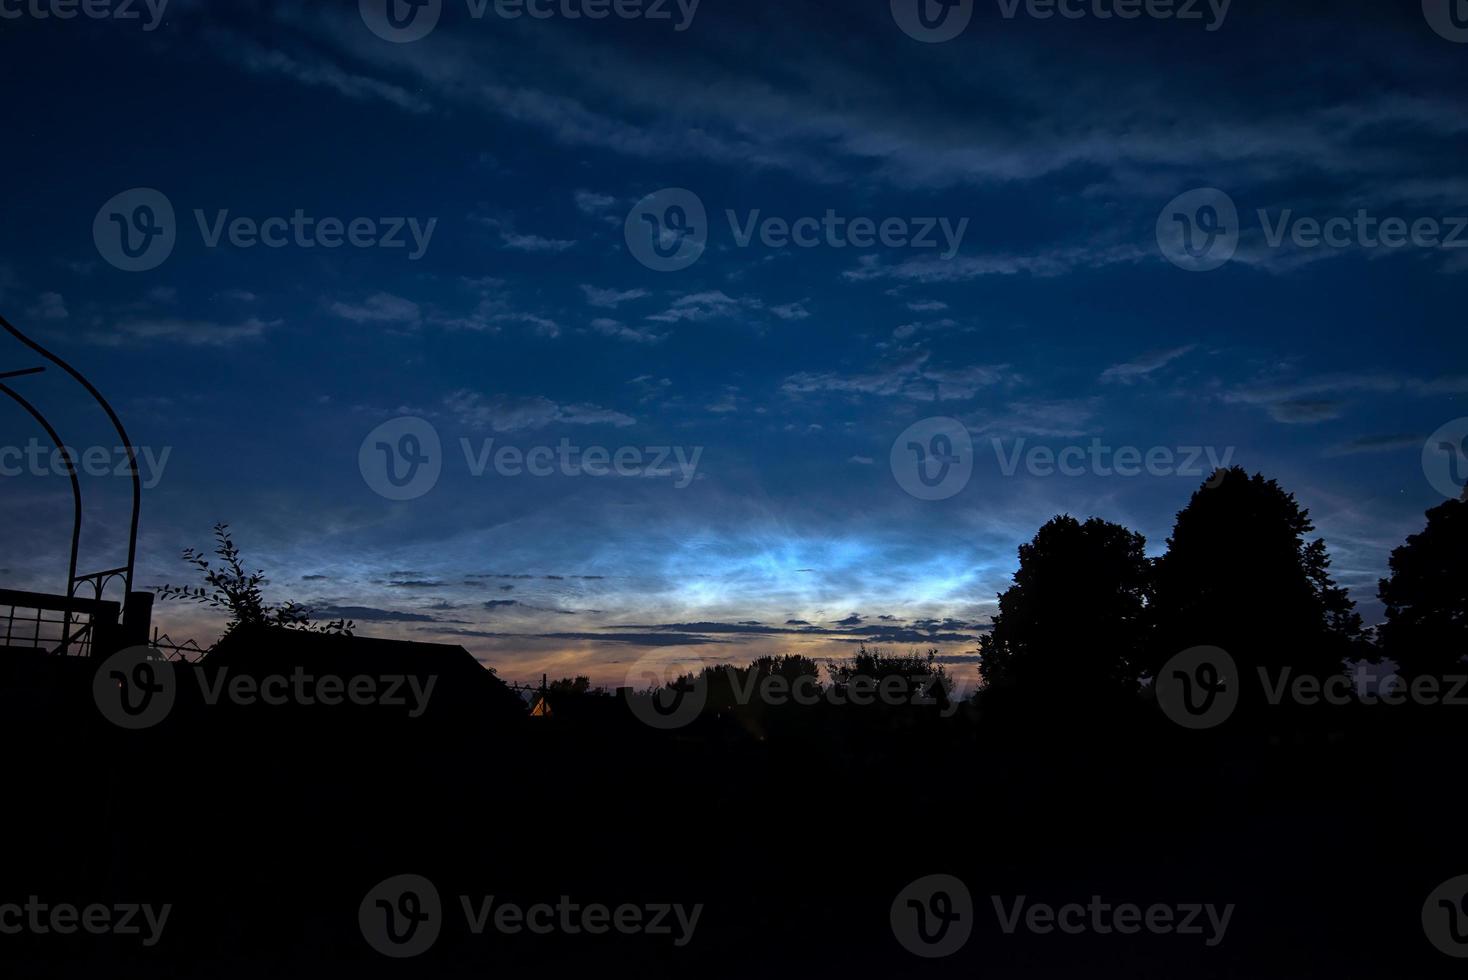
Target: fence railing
187,651
57,624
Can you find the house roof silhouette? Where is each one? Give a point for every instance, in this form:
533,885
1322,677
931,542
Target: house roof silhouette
253,650
462,686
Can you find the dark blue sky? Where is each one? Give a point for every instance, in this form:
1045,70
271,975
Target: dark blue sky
784,375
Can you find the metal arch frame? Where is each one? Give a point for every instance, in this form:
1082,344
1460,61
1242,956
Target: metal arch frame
98,580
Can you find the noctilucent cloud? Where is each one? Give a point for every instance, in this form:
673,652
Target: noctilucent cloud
697,331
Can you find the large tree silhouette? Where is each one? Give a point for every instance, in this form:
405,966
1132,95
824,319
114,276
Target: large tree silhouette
1426,597
1240,574
726,682
1072,624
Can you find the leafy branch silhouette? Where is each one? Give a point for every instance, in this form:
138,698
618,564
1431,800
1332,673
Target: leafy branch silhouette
229,587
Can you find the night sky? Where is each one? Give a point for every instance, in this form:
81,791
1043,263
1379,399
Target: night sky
1021,271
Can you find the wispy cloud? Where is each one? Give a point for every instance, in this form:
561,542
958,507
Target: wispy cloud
190,333
49,306
914,378
380,308
1375,444
614,328
610,299
710,305
534,243
506,414
1129,372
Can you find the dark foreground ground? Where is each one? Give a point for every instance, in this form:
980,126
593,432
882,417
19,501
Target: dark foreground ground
265,829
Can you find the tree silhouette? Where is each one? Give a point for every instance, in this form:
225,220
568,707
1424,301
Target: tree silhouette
1072,624
240,593
577,686
924,676
1239,574
1426,597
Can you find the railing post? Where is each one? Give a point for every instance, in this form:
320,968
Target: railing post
137,618
105,637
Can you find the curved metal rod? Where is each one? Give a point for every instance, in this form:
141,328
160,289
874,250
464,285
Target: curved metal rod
76,487
132,456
